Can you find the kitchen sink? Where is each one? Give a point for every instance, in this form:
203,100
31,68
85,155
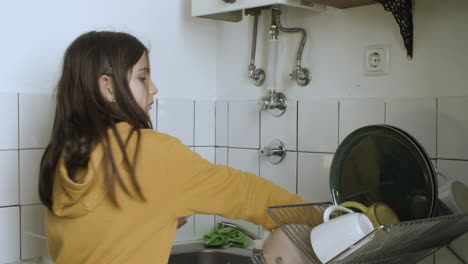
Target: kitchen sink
195,253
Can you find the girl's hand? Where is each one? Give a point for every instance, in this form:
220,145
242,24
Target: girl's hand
181,222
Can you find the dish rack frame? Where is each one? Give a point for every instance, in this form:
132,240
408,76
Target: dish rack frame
404,242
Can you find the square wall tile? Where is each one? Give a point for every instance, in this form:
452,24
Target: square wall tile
283,128
29,176
204,223
283,173
417,116
222,123
454,169
176,118
356,113
221,156
452,128
460,246
33,234
444,256
186,232
9,121
314,176
9,234
9,188
244,124
244,160
427,260
205,123
207,153
36,119
318,125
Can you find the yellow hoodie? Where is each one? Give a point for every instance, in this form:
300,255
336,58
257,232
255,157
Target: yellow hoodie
85,227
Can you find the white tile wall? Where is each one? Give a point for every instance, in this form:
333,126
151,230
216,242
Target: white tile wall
29,175
313,176
237,124
221,156
452,128
459,245
9,120
318,125
205,223
222,123
443,255
176,118
204,123
283,128
245,160
454,169
186,232
36,116
416,116
356,113
244,124
33,242
9,234
283,173
9,195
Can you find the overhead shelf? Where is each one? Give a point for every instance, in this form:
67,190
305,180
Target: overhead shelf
341,4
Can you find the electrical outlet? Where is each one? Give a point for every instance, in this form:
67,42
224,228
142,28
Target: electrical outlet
376,60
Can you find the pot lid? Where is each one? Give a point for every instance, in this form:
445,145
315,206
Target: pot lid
381,163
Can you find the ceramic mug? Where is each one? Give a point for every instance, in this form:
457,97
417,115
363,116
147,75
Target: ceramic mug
336,235
379,213
453,194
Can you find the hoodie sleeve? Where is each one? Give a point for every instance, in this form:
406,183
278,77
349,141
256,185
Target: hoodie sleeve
205,188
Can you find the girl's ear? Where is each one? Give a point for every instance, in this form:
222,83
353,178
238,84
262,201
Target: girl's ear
105,86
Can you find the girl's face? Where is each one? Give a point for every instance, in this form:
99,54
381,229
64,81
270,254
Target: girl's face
141,85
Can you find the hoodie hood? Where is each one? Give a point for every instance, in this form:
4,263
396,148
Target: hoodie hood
74,198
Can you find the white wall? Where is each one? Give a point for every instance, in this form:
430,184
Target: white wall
426,96
334,48
35,35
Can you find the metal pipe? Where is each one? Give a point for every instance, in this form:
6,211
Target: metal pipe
257,75
277,14
254,42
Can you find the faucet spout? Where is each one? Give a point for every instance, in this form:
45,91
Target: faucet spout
237,227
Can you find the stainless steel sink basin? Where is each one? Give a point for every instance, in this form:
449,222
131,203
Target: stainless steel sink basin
196,254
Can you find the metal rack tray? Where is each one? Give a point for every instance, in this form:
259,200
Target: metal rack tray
405,242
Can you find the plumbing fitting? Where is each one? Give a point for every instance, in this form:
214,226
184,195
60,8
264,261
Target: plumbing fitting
257,75
275,102
275,151
300,74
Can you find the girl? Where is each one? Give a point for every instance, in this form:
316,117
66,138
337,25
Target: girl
114,187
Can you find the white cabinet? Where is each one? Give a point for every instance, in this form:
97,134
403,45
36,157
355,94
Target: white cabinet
219,9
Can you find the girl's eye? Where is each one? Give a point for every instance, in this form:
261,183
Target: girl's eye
143,79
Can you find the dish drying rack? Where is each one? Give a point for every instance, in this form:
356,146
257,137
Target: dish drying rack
404,242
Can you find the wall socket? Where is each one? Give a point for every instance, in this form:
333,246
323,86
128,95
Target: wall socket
376,60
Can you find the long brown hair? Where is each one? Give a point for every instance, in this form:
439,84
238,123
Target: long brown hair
83,116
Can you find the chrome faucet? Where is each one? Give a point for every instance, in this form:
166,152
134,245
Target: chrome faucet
241,229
